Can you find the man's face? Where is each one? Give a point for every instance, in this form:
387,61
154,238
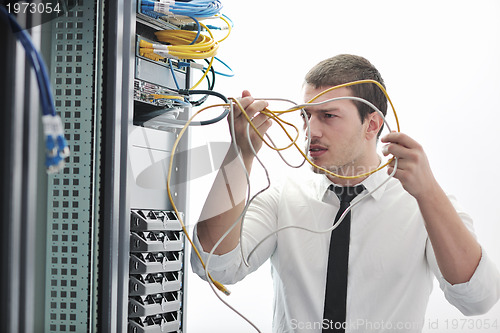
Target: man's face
338,140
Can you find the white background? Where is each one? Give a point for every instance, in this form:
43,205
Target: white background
441,64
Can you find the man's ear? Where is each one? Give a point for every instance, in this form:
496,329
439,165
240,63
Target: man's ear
375,123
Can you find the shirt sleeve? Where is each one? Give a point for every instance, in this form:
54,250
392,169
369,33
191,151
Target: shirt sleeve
260,221
223,268
479,294
482,291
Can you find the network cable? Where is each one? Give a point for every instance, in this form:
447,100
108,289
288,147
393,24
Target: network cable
248,202
212,283
57,149
181,45
219,286
202,122
307,128
192,42
242,215
211,84
301,106
275,115
354,203
173,74
198,30
195,8
210,87
231,74
214,27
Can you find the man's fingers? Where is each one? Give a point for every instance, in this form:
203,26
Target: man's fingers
245,93
401,139
259,119
396,150
253,108
244,102
402,164
262,127
250,105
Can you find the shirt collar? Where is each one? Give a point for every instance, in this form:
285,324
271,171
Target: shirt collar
371,183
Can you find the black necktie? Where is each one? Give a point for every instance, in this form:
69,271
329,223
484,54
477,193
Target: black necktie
336,279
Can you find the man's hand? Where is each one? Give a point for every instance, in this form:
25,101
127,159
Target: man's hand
261,122
413,169
457,251
226,200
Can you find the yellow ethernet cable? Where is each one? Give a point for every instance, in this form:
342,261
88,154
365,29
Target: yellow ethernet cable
275,115
204,47
219,285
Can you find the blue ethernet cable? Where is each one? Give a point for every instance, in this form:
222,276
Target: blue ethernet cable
35,61
192,42
214,27
225,65
230,21
198,27
173,73
196,8
55,143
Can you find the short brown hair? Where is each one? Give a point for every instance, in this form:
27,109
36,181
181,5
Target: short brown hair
345,68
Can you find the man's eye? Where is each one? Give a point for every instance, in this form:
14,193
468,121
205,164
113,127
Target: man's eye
329,115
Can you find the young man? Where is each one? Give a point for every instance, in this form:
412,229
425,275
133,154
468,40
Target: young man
400,235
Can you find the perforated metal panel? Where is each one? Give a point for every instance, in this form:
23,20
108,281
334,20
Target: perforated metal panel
70,205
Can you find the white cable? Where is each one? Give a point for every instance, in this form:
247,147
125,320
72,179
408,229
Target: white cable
306,119
346,97
248,201
333,227
352,204
308,143
241,217
231,228
308,137
247,176
255,195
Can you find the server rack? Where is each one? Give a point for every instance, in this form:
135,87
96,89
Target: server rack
81,248
157,291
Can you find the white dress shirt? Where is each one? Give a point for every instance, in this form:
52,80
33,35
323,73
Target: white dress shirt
391,261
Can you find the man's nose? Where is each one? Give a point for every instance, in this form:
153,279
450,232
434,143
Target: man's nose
315,127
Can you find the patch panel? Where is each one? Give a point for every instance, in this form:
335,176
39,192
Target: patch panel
156,271
142,306
155,283
156,241
154,220
160,323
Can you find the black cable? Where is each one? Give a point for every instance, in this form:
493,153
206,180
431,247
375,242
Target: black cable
203,92
210,86
213,75
208,92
